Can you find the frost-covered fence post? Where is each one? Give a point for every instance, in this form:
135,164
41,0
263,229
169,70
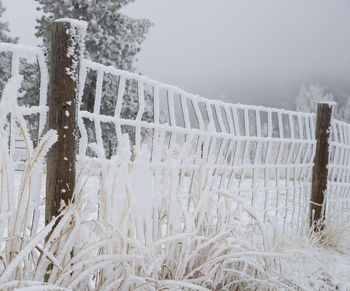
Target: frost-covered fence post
67,48
320,170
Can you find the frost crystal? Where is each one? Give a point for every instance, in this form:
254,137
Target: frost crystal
77,32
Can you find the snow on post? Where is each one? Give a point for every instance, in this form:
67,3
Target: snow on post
67,49
320,170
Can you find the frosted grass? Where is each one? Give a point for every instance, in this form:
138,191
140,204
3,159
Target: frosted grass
109,243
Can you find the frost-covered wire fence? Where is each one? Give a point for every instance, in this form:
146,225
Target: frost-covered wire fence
170,190
338,192
14,59
261,157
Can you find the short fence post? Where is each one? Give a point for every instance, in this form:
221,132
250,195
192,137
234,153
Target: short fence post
66,52
320,171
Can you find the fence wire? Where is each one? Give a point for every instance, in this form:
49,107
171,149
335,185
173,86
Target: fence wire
260,156
338,186
27,64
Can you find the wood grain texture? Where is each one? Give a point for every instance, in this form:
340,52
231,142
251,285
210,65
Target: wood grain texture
320,171
60,182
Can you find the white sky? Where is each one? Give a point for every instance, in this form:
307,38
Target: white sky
248,51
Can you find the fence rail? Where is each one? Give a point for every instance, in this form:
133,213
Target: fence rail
34,115
338,191
263,156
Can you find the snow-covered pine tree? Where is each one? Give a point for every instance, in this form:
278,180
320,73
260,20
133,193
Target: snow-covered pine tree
310,95
30,71
112,39
5,58
4,28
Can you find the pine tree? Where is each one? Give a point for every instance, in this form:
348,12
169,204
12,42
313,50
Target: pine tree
30,72
29,91
112,39
4,28
5,58
310,95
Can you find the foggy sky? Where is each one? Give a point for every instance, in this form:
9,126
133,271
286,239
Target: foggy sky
248,51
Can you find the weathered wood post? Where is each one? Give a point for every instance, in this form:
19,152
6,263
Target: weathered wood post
67,45
320,171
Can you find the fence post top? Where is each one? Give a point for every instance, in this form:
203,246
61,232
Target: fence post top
81,24
326,102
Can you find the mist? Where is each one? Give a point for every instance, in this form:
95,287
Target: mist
255,52
241,51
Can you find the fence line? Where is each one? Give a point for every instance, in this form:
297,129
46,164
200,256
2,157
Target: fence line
263,156
16,54
338,192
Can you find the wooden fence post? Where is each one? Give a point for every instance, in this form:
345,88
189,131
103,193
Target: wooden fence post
320,171
66,52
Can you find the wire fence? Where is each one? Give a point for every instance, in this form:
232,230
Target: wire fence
15,59
261,156
338,191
